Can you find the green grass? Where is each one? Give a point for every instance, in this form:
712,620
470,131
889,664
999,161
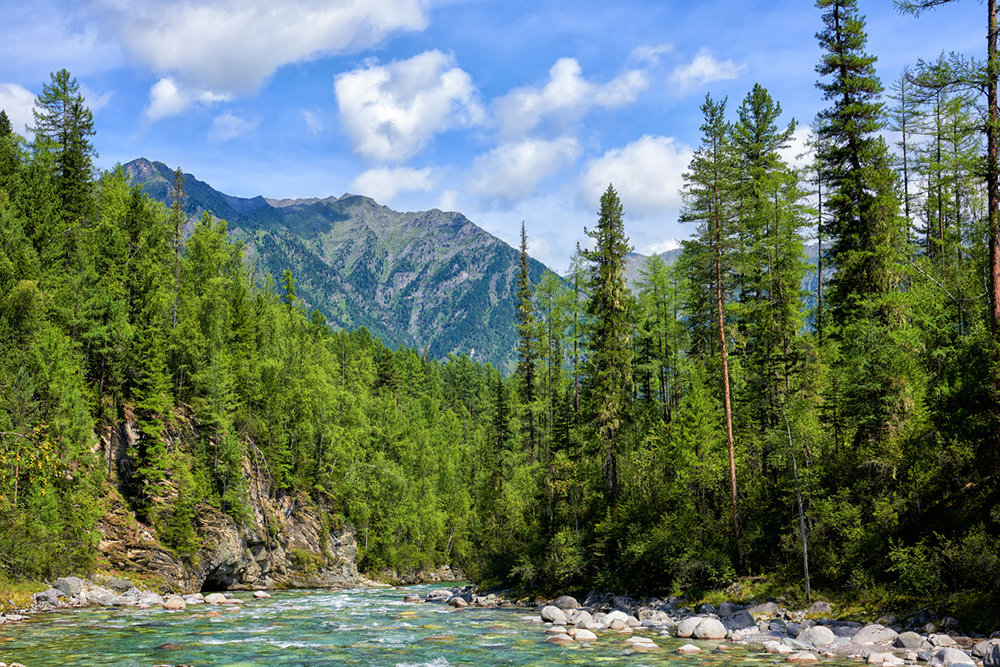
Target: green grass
17,594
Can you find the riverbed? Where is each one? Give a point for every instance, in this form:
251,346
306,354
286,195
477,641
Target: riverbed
319,627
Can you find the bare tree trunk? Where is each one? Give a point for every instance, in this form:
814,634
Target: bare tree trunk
993,192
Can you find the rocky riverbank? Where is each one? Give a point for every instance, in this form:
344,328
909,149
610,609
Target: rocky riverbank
804,635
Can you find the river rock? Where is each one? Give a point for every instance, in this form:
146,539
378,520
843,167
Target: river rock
102,597
941,640
802,656
777,647
175,604
215,598
705,609
118,585
983,648
878,658
686,627
411,597
439,595
820,608
581,617
50,596
561,638
644,643
552,614
70,586
150,598
565,602
457,602
727,608
702,628
875,634
764,610
688,649
741,620
992,659
619,615
909,640
819,636
261,595
952,656
582,635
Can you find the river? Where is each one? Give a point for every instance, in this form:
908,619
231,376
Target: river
348,627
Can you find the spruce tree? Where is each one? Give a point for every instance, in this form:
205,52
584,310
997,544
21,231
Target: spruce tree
526,328
610,363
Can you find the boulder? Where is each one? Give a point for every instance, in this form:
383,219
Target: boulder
175,604
581,617
686,627
819,636
802,656
70,586
878,658
740,620
215,598
457,602
118,585
777,647
565,602
688,649
726,609
261,595
909,640
710,628
764,610
582,635
875,634
952,656
617,615
439,595
551,614
50,596
992,659
820,608
150,598
411,597
983,648
941,640
102,597
562,638
641,643
706,608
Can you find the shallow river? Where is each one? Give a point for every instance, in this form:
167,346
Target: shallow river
349,627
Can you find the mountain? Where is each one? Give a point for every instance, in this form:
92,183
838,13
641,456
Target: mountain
428,279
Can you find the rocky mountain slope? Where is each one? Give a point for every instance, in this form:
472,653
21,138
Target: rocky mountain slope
428,279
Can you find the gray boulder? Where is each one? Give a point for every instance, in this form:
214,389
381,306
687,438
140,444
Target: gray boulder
51,596
942,641
819,636
150,598
102,597
686,627
118,585
992,659
439,595
740,620
565,602
766,609
819,607
910,640
706,608
710,628
552,614
580,618
70,586
984,648
952,656
875,634
727,608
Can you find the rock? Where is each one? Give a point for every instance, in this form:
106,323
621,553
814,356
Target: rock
819,608
617,615
705,609
457,602
686,627
118,585
581,618
777,647
102,597
438,595
582,635
215,598
909,640
70,586
952,656
261,595
710,628
411,597
641,643
846,631
51,596
795,644
150,598
765,610
727,609
941,640
562,638
232,601
175,604
875,634
983,648
992,659
688,649
802,656
819,636
565,602
740,620
877,658
550,613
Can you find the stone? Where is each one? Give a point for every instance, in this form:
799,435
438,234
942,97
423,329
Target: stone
909,640
795,644
215,598
766,610
819,636
232,601
550,613
581,617
562,638
438,595
413,597
952,656
70,586
992,659
706,608
565,602
686,627
878,658
740,620
175,604
941,640
50,596
688,649
118,585
150,598
820,608
983,648
582,635
802,656
617,624
777,647
261,595
726,608
458,602
875,634
102,597
710,628
556,630
617,614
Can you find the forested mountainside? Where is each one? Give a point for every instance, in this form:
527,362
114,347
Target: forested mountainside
429,280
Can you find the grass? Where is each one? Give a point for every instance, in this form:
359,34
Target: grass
17,594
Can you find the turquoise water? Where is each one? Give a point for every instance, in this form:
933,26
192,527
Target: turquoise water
349,627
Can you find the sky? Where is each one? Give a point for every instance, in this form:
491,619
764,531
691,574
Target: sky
504,110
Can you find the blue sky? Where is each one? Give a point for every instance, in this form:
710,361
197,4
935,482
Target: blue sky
504,110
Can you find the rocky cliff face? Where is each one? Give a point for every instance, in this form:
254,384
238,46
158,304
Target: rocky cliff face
283,543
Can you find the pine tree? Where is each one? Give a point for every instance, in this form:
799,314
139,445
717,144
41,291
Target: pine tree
610,363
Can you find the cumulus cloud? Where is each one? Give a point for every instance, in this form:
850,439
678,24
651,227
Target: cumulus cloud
18,102
232,47
798,153
705,68
448,200
647,174
566,95
228,126
166,98
94,100
384,183
391,111
513,170
650,54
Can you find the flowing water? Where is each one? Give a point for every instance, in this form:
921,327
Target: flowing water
349,627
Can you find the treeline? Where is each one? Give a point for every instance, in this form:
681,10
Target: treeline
721,421
108,315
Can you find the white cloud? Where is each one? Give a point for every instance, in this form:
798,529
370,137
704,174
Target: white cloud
228,126
166,98
95,101
233,46
513,170
313,121
448,200
383,183
647,174
566,95
798,153
391,111
650,54
705,68
18,102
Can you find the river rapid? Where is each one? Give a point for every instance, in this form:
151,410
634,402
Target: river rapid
320,627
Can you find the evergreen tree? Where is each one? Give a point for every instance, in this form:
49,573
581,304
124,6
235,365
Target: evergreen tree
527,337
